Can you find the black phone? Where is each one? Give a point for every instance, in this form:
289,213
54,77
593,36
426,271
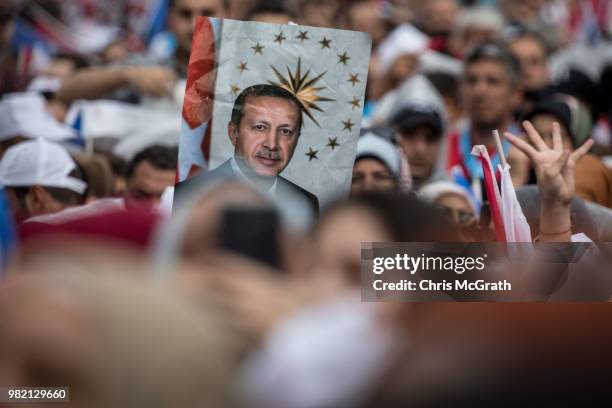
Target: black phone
252,232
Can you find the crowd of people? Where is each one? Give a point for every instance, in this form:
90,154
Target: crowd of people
111,285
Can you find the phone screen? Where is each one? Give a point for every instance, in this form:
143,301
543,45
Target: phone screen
252,232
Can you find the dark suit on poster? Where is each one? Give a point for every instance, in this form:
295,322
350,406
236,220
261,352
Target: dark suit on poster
284,187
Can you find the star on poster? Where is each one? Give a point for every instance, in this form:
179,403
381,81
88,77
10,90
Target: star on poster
304,74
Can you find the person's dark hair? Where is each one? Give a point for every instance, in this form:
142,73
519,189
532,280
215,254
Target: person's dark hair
264,90
495,51
118,164
160,157
404,216
62,195
525,33
270,6
345,10
605,84
445,83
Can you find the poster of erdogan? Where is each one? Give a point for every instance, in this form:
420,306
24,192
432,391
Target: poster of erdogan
276,106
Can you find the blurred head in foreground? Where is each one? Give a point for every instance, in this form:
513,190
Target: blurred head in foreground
201,224
115,341
373,217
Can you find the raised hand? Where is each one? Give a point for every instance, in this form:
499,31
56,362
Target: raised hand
554,166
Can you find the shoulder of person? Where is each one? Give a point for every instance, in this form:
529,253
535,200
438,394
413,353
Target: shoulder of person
592,165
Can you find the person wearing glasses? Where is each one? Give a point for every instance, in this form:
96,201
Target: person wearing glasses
454,199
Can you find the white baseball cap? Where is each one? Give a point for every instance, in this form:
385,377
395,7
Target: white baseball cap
39,163
25,114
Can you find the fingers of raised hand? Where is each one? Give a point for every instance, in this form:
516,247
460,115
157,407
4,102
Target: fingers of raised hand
557,141
534,136
521,145
582,150
560,162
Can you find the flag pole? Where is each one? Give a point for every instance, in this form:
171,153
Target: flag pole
500,149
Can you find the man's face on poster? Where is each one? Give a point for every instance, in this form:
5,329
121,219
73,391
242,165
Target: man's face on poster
267,134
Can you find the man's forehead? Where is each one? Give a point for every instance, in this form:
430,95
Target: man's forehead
488,64
147,171
270,103
528,40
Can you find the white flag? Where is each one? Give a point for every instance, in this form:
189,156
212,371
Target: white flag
515,224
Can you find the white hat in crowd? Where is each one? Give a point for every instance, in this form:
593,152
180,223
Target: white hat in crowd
405,39
372,145
39,163
431,192
45,83
415,101
25,114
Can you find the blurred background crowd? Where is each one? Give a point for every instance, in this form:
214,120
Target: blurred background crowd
106,288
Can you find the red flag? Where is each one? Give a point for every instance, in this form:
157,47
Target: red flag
194,150
492,191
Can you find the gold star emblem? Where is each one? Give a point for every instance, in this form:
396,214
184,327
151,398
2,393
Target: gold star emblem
353,78
348,125
303,36
312,154
257,49
243,67
333,142
355,102
235,89
325,43
279,38
343,58
303,88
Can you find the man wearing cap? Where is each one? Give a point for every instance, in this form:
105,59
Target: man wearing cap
24,116
40,178
593,178
377,165
418,120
